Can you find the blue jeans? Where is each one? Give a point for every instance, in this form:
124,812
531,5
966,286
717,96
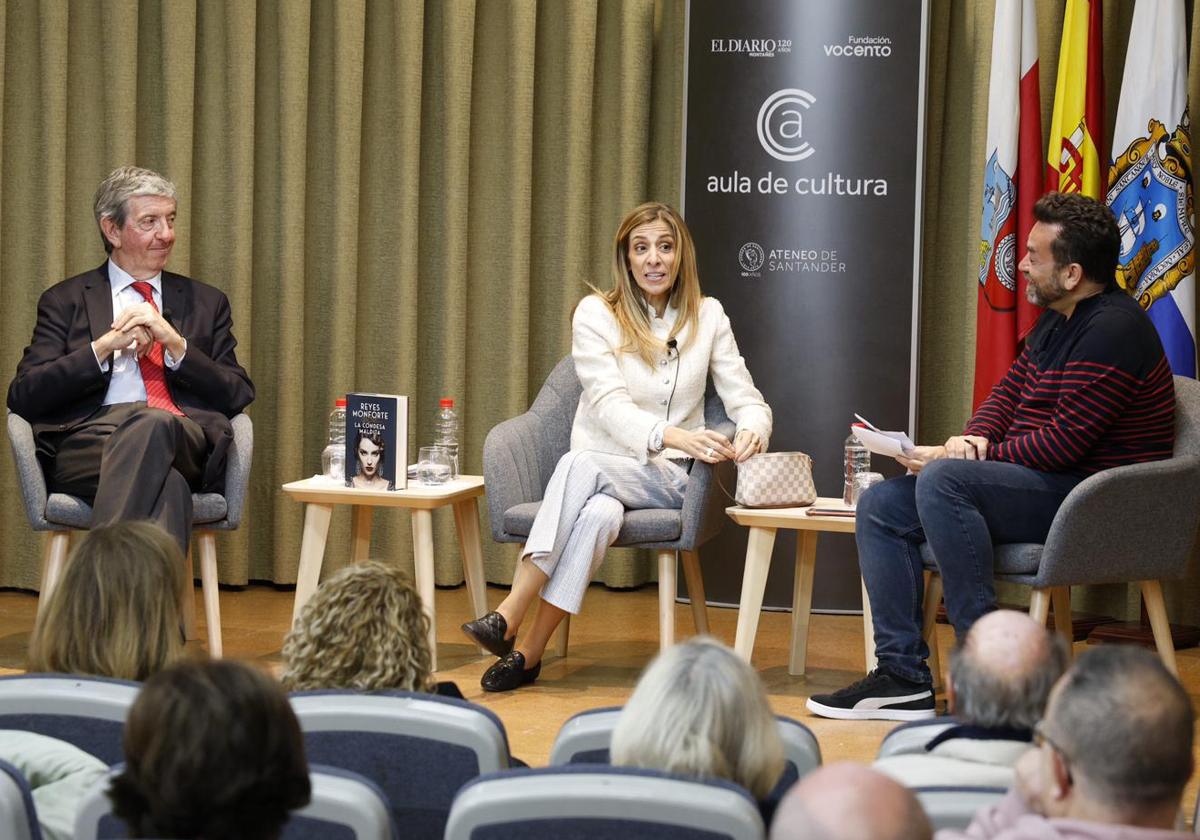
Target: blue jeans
961,508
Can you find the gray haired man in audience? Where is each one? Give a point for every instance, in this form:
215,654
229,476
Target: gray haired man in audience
1113,755
1000,679
849,802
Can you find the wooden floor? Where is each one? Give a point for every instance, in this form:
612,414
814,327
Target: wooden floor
612,640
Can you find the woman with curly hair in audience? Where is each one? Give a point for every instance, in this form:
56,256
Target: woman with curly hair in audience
212,749
115,610
364,629
700,710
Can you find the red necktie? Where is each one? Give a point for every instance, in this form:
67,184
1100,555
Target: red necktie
157,395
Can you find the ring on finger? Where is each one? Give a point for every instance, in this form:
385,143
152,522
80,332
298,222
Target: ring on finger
708,453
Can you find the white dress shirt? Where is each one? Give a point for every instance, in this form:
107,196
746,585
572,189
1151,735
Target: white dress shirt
624,400
126,383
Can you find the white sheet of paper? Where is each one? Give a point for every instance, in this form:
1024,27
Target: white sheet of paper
881,442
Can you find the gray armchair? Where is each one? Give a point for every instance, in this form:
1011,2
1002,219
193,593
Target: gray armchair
60,514
519,456
1132,523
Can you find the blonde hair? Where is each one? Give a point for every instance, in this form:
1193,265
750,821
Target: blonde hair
363,629
115,611
626,300
700,710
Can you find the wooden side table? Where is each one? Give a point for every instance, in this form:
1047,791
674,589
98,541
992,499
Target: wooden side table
319,496
763,523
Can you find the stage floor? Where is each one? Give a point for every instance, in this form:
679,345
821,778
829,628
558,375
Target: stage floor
612,640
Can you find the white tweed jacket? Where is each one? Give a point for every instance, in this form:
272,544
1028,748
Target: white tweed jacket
623,398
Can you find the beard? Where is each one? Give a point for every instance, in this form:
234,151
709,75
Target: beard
1051,291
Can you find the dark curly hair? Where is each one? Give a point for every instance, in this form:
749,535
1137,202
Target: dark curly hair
1087,235
212,749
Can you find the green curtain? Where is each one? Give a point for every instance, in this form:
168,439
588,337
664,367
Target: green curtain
410,197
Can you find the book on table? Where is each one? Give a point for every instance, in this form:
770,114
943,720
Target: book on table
376,441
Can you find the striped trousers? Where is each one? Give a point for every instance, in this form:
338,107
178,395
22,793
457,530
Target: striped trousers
581,515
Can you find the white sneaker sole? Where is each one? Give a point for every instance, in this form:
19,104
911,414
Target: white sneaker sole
885,713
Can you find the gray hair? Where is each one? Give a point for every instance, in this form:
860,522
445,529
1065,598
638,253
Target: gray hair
1124,723
122,184
701,710
991,696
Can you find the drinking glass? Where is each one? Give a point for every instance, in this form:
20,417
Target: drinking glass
862,482
433,465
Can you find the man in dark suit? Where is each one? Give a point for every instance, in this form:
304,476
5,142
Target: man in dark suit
130,378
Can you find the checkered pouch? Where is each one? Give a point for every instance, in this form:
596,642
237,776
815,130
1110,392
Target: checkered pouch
776,479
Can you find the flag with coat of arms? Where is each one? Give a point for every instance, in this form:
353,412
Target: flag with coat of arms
1150,189
1012,182
1075,161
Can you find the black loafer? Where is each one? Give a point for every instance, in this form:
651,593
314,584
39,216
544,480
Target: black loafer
509,673
488,632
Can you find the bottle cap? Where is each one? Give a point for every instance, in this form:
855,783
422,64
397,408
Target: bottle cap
340,402
446,402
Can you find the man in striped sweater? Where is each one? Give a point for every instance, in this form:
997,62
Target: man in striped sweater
1091,390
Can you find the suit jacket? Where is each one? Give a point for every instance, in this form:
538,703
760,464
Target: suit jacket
623,398
59,385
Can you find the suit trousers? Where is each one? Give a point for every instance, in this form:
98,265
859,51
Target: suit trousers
131,462
582,511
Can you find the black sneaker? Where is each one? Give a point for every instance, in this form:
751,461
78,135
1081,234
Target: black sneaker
880,695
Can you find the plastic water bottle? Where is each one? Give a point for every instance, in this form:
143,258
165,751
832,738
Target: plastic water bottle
333,458
445,432
858,460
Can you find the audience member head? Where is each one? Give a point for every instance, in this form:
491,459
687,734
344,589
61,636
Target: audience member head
212,749
363,629
849,802
115,610
700,710
1002,672
1116,743
1087,235
626,297
122,184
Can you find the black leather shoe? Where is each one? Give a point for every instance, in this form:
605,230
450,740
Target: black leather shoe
509,673
489,631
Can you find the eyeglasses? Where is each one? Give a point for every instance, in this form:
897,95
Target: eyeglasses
1040,739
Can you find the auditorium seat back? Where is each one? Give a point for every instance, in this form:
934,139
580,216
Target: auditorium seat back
18,819
419,748
585,739
910,738
88,712
599,801
344,806
953,807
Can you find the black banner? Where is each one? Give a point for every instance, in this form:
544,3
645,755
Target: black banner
802,180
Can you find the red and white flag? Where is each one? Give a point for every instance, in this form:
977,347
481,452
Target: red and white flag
1012,182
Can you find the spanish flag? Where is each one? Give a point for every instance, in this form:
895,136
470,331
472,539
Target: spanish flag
1076,161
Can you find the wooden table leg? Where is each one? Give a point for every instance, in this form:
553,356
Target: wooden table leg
806,563
206,541
312,553
187,598
754,583
466,520
868,631
360,532
422,530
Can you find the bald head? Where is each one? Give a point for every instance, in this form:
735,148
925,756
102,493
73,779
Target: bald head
1002,674
849,802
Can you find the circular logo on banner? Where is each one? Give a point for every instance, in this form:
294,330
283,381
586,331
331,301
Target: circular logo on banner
781,124
751,256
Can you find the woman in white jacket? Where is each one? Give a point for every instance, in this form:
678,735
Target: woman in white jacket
643,353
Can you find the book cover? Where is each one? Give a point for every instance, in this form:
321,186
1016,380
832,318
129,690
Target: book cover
376,441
